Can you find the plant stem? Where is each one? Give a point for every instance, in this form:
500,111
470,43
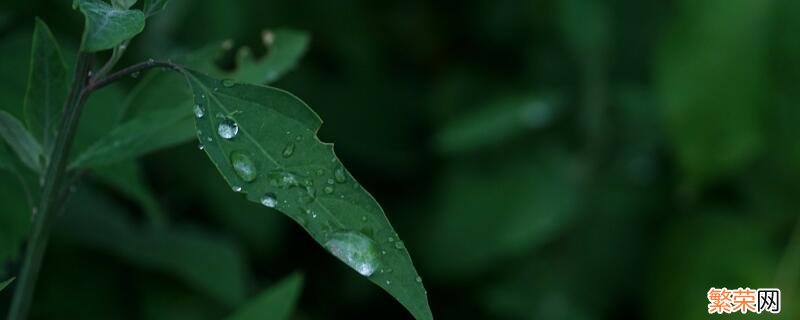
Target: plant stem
52,189
130,70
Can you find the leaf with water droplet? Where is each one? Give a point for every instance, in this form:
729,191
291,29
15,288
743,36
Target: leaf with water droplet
266,115
107,26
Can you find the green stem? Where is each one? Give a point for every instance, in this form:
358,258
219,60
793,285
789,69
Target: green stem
52,190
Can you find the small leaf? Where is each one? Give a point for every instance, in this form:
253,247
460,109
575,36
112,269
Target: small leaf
47,86
21,141
107,26
285,47
145,133
274,303
152,7
4,284
300,176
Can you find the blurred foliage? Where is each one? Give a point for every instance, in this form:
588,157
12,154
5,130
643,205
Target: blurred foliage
578,159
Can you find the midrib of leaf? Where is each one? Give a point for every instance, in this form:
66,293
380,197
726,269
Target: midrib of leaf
260,147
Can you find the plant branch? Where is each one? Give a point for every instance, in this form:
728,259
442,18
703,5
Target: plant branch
52,189
130,70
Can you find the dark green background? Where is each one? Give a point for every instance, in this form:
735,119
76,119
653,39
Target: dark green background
571,159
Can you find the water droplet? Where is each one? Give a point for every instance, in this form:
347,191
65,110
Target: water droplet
364,218
388,282
282,179
200,146
135,74
269,200
399,245
288,150
383,252
330,181
338,174
198,111
328,189
298,138
209,139
243,166
391,239
237,188
228,129
227,83
419,280
320,172
356,250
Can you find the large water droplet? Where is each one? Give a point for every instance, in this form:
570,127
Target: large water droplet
243,166
338,174
288,150
227,83
198,111
269,200
228,129
356,250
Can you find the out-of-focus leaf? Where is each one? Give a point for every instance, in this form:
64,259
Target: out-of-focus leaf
152,7
143,134
15,220
717,248
211,264
4,284
502,119
274,303
710,76
28,150
167,300
263,141
285,48
47,86
106,26
127,177
101,114
497,209
14,66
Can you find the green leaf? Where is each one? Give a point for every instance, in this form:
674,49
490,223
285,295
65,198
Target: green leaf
209,263
274,303
285,48
4,284
152,7
123,4
710,78
127,177
534,196
500,120
107,26
145,133
47,86
21,141
15,220
279,161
